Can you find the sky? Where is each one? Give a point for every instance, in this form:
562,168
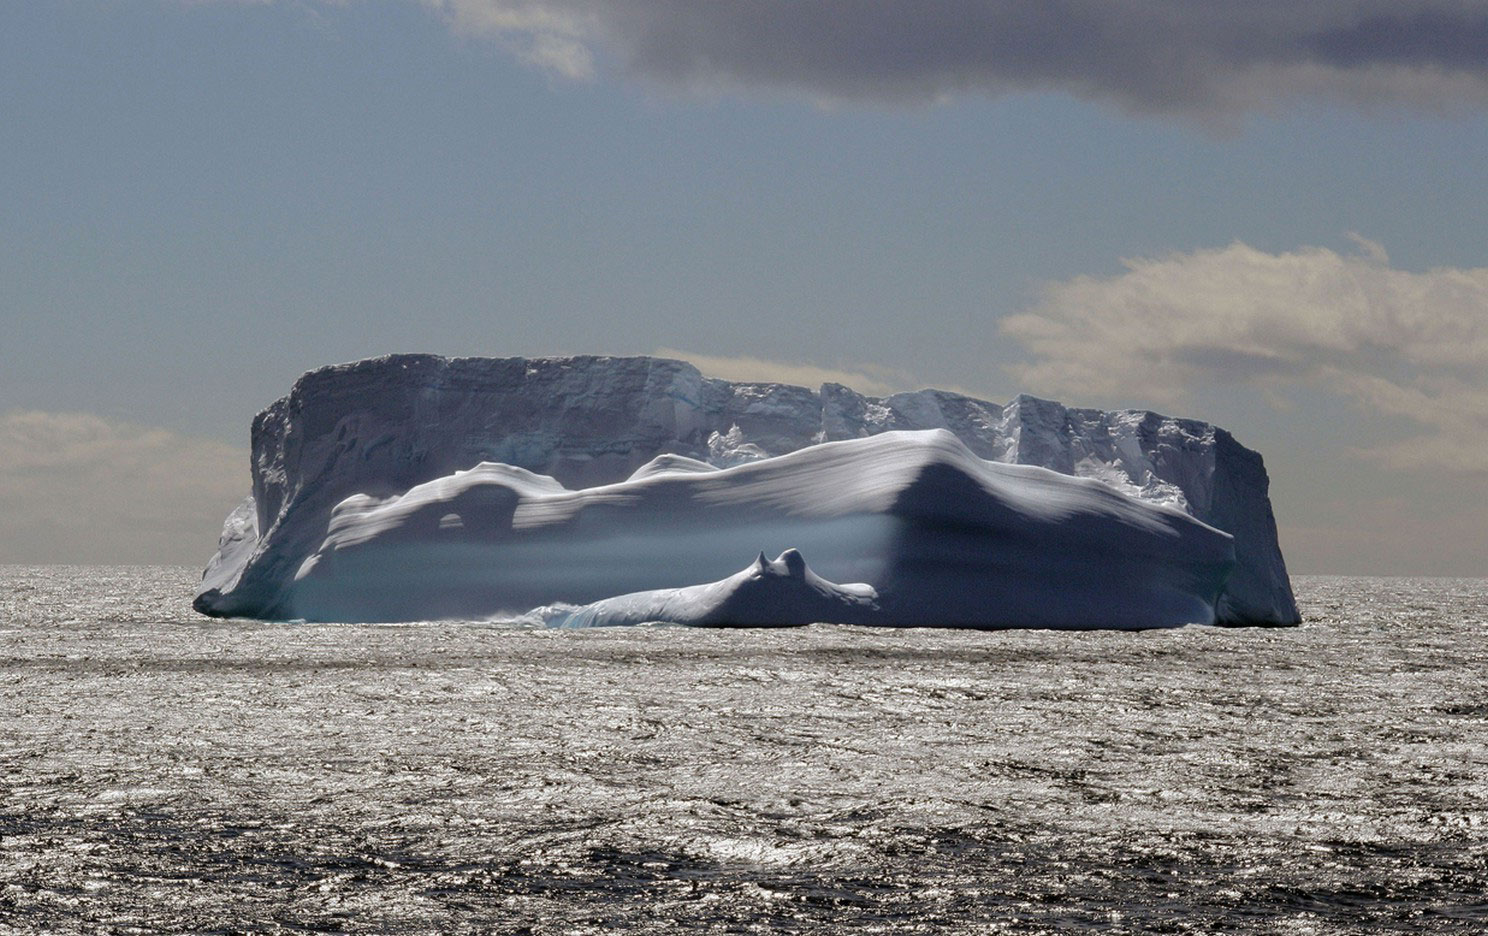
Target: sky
1268,215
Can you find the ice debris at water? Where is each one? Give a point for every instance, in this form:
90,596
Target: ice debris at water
782,593
414,487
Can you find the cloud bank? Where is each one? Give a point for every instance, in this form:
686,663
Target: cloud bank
874,381
1203,57
75,487
1412,345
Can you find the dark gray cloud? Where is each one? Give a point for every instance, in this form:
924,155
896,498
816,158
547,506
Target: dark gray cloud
1420,38
1199,56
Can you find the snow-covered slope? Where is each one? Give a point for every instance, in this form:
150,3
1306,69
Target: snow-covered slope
938,536
379,428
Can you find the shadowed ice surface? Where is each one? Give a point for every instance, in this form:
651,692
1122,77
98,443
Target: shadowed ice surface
167,773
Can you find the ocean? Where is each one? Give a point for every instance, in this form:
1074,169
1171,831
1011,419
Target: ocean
161,772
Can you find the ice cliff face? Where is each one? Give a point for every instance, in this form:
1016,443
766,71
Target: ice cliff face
380,427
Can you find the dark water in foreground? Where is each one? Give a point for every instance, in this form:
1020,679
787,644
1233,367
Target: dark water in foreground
160,772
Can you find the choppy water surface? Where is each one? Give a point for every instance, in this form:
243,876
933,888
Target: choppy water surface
166,773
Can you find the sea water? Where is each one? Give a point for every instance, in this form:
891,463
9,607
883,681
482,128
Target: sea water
163,772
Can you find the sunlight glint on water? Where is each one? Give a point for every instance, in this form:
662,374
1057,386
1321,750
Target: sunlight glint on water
167,772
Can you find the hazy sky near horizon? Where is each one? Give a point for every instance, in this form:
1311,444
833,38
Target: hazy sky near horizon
1269,215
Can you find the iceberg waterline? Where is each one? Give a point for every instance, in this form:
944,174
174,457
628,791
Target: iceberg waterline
415,486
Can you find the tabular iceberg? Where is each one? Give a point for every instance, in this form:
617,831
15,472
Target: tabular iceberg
615,490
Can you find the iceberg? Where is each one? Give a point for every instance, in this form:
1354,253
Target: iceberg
599,491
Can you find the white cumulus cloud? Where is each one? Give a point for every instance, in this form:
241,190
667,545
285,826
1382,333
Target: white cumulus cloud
548,35
1403,343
